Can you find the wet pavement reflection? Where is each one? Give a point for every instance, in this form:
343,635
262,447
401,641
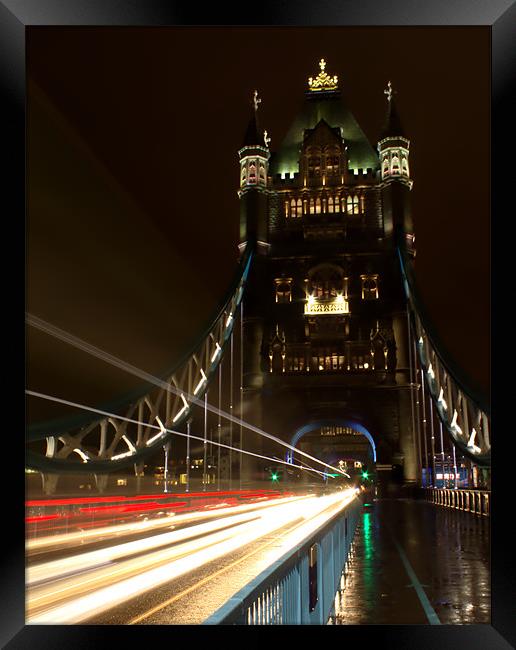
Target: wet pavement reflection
413,562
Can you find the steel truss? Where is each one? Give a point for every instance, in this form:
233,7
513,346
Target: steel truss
111,443
461,414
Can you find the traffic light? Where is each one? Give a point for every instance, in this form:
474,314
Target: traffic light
365,475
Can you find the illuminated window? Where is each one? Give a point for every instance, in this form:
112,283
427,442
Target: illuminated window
330,204
318,206
349,205
404,165
305,206
283,288
299,208
262,172
337,204
293,207
355,205
385,170
332,165
252,172
286,209
312,206
369,287
395,164
314,166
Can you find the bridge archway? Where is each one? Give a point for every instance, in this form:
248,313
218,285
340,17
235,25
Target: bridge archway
340,422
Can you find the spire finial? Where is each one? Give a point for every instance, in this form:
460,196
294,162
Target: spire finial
256,100
323,81
389,92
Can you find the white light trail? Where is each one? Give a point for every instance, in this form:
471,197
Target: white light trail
109,358
172,519
157,568
184,435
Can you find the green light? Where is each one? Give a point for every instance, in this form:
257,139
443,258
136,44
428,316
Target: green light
274,477
365,475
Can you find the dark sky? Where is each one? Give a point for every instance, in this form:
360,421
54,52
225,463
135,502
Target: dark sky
133,171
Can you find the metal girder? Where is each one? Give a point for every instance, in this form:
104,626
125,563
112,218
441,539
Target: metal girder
465,420
111,443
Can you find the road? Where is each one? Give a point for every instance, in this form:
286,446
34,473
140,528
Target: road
173,569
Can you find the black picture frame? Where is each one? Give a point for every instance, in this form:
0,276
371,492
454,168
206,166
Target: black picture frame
15,16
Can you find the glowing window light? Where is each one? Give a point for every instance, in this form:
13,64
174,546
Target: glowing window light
202,381
218,350
184,408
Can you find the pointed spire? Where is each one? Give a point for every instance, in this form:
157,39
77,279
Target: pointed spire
254,135
393,125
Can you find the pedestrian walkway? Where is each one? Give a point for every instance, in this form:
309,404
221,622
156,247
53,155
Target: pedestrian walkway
416,563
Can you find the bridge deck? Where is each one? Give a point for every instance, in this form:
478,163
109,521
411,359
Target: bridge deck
416,563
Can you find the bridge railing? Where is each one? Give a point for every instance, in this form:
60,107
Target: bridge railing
461,409
475,501
300,587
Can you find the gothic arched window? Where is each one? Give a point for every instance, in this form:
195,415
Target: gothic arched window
283,288
330,204
385,170
299,208
355,205
349,205
317,205
369,287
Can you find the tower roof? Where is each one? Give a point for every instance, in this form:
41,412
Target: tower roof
254,135
323,102
392,126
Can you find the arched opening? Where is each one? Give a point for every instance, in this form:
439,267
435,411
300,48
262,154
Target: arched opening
333,423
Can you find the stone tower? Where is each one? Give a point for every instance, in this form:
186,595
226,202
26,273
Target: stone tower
325,320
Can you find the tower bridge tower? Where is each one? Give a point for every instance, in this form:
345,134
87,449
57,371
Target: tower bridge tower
325,320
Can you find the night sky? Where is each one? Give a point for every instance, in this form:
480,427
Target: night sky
132,174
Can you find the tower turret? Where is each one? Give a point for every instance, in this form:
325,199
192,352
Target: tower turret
393,150
254,167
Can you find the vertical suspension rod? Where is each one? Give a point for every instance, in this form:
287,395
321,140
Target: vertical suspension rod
230,408
411,374
219,426
432,442
205,460
424,423
188,456
241,386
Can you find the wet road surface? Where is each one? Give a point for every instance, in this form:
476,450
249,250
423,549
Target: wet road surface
416,563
